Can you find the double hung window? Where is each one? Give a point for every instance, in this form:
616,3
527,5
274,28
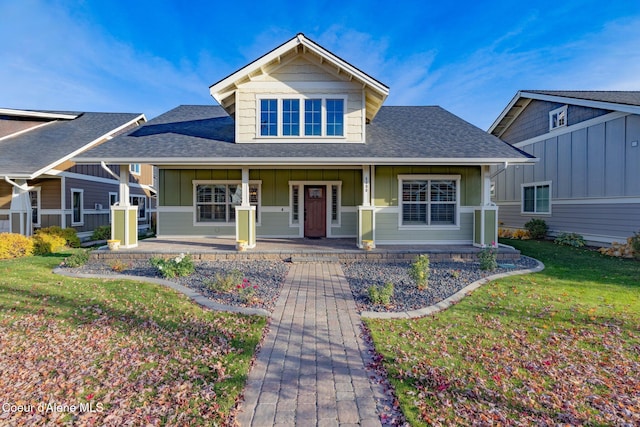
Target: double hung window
429,201
216,202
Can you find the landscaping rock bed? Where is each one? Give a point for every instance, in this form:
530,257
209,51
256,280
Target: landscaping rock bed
266,276
445,279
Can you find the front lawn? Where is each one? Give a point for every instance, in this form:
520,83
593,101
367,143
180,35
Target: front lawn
558,347
98,352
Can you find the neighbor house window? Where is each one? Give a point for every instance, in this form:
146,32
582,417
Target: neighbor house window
77,214
135,168
309,117
34,196
141,203
216,202
558,118
536,198
429,201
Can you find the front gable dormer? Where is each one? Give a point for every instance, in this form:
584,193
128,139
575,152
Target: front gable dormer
300,92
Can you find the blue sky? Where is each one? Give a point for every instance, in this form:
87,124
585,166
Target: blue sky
470,57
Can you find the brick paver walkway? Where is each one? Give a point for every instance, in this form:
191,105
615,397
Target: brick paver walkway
311,368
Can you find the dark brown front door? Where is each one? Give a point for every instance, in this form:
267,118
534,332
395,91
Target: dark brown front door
315,211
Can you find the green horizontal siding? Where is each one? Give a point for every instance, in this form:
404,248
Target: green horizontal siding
276,224
181,224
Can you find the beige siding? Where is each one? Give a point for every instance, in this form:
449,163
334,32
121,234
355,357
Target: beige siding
12,125
5,195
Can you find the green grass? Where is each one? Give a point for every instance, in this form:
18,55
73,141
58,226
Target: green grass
119,343
559,346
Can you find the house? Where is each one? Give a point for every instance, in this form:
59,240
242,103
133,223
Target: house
302,146
588,177
39,184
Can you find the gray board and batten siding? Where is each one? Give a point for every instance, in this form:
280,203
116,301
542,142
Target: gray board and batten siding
592,166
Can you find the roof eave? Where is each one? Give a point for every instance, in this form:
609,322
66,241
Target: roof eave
293,161
36,114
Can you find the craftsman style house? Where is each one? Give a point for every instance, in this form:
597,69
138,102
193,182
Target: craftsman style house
588,177
40,186
302,146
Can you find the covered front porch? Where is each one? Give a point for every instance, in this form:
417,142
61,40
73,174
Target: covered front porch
218,248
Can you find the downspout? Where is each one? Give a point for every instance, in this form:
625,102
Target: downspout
109,171
24,188
499,171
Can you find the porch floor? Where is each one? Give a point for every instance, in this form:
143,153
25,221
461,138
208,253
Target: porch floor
210,248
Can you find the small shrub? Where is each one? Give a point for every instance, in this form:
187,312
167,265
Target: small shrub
246,291
537,228
70,235
78,259
488,258
419,271
14,245
455,273
570,239
224,282
44,243
102,233
635,245
118,266
505,233
381,295
521,235
180,266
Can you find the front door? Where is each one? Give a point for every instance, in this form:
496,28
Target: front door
315,211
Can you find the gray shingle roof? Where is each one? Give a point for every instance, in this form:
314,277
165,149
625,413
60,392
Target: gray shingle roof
205,134
615,97
29,152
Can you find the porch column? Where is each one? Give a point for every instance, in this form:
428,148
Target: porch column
485,220
20,208
366,212
124,217
245,216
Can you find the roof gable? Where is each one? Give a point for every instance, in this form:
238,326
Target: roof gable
300,46
624,101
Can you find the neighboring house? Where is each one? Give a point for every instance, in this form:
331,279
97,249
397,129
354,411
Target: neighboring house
588,177
301,146
40,186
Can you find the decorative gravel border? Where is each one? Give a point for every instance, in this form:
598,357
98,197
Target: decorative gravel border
453,299
195,296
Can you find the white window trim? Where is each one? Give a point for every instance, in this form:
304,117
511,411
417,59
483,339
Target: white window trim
81,191
535,199
38,205
327,186
197,223
146,206
555,112
455,178
302,136
135,168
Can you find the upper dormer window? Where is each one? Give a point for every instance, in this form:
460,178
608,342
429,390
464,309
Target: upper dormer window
558,118
307,117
